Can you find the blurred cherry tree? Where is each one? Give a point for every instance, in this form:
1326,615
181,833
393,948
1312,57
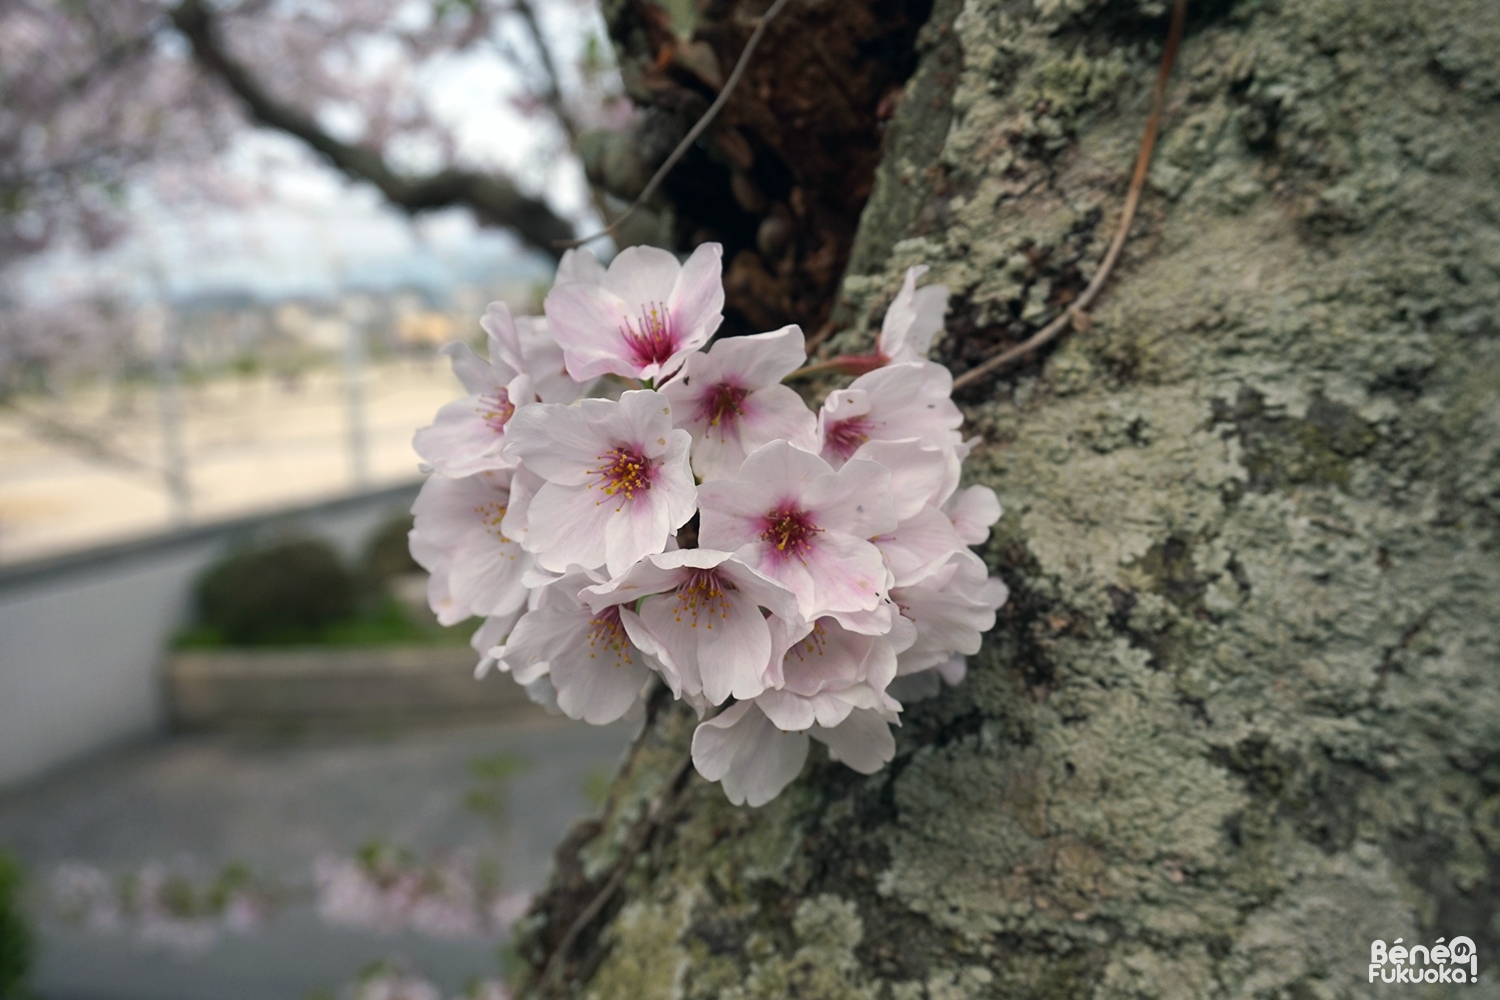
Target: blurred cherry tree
103,98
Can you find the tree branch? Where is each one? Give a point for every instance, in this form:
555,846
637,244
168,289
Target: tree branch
495,200
552,93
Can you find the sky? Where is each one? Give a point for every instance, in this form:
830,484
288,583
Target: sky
307,231
315,235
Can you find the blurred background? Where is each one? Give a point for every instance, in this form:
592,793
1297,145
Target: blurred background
237,756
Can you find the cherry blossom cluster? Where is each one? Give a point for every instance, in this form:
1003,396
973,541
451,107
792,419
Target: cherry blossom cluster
788,573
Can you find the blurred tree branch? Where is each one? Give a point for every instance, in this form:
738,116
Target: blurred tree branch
494,199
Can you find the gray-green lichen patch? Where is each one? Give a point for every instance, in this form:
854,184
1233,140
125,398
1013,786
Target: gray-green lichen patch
1242,714
641,961
824,965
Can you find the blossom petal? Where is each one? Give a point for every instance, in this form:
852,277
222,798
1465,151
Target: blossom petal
579,265
697,297
638,528
559,443
568,527
596,670
586,321
920,545
459,442
504,341
752,758
670,640
788,710
763,359
596,687
536,637
973,511
734,652
863,741
477,376
642,274
847,574
919,686
914,316
491,633
919,475
485,576
857,501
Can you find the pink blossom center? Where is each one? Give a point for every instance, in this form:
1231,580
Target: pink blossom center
843,437
624,472
703,592
496,409
607,635
789,529
651,339
722,405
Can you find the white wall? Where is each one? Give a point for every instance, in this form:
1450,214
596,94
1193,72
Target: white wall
82,636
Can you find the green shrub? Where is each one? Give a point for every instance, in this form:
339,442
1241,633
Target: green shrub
388,553
285,593
15,936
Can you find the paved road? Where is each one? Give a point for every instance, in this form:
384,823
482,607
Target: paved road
229,867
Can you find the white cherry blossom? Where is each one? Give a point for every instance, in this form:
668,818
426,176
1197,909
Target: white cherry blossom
972,512
540,358
467,436
593,667
920,476
642,317
951,609
834,692
830,575
913,318
829,671
919,545
457,537
700,613
789,515
732,401
579,265
617,481
890,404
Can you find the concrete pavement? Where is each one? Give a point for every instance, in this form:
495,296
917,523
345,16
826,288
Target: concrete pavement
238,867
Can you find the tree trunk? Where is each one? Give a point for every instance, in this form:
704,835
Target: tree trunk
1241,716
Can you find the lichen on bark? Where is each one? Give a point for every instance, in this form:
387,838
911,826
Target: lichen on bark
1242,715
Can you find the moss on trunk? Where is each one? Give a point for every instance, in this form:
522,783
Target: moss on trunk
1242,714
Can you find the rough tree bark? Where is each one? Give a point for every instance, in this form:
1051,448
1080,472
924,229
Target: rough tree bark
1241,715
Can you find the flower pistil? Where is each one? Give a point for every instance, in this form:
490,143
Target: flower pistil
607,635
652,341
723,405
790,529
705,592
624,473
496,409
843,437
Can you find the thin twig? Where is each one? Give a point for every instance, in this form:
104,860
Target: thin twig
691,137
843,364
1137,183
